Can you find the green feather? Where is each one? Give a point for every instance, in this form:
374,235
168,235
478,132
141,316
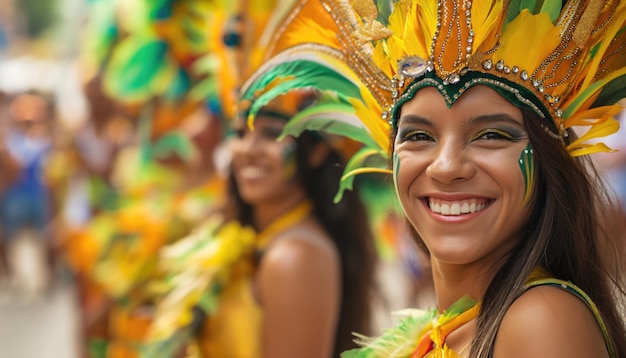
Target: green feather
298,74
396,342
174,142
170,347
611,93
384,11
551,7
102,30
139,69
179,86
365,159
581,98
513,11
332,118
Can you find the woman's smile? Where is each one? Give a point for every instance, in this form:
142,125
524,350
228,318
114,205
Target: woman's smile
456,207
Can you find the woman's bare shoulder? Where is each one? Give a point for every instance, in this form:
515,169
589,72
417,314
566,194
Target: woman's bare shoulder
548,321
301,254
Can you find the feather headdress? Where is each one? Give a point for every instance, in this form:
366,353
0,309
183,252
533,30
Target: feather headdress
562,62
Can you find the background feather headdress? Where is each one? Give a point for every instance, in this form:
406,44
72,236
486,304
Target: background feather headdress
314,49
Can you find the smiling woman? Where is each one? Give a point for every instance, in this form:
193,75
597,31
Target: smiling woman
280,270
490,175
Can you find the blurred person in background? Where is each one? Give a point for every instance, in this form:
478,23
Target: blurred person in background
25,205
9,168
282,271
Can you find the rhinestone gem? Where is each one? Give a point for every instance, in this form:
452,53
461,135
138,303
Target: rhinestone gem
524,75
454,78
413,66
500,65
515,69
487,64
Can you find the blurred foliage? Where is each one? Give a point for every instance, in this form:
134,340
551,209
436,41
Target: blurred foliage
39,15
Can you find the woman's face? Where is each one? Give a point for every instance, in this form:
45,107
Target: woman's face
264,168
457,173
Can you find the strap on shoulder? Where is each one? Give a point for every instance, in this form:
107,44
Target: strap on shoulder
575,290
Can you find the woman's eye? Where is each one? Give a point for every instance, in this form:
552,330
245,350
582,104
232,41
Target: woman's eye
416,135
271,133
239,133
491,134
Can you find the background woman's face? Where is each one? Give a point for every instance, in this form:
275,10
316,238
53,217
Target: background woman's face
264,168
457,173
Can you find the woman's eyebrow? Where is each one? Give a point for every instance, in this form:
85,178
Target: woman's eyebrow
414,119
502,118
496,118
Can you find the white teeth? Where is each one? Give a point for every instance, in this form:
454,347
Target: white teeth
456,208
251,172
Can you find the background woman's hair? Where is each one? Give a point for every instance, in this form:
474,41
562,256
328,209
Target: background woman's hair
346,223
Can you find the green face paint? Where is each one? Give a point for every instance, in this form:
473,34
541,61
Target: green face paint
527,165
396,169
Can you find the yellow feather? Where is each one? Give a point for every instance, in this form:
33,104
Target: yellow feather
607,38
527,28
598,130
380,58
593,116
370,113
484,20
427,19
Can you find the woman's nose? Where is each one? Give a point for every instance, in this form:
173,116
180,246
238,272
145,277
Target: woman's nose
450,163
245,144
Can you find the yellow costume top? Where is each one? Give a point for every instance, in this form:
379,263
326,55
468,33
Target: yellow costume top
213,270
234,330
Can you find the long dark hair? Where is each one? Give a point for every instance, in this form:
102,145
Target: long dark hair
346,223
565,235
